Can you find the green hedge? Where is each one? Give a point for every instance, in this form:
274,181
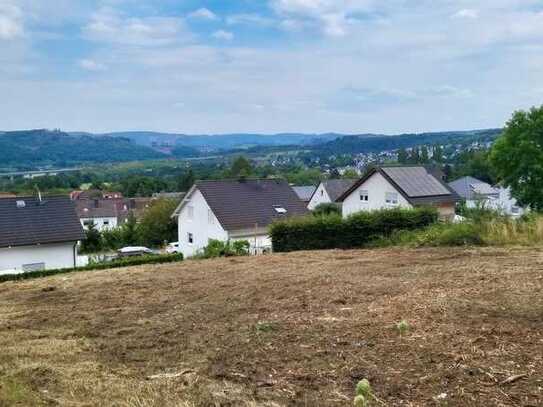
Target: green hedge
333,232
122,262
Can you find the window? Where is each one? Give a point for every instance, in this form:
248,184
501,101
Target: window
280,209
33,267
190,238
210,216
391,198
322,192
515,210
364,196
106,222
87,222
191,212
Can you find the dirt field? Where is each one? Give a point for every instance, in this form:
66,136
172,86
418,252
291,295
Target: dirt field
283,330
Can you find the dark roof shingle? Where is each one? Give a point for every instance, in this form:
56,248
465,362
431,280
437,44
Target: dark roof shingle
336,187
244,204
52,220
304,192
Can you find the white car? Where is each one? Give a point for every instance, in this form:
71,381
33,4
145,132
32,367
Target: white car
134,251
172,247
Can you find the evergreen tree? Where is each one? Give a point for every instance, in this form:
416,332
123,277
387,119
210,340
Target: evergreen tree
424,156
402,156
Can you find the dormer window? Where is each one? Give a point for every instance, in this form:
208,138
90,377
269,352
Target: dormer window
280,210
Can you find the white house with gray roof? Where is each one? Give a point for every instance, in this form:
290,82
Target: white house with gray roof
329,191
479,194
38,234
234,210
399,187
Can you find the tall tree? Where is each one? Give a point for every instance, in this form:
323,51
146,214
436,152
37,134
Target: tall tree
517,157
437,154
157,225
241,167
186,180
402,156
424,155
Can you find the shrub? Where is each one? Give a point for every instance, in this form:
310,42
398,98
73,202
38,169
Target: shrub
328,208
218,248
358,230
122,262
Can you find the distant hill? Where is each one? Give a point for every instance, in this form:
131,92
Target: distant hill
368,143
21,149
222,141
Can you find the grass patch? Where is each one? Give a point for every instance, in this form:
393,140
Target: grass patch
484,231
14,392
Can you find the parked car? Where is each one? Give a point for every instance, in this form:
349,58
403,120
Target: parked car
173,247
134,251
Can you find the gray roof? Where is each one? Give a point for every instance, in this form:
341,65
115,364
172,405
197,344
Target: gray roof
470,188
416,184
336,187
52,220
246,204
304,192
416,181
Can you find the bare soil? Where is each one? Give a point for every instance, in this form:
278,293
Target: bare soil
294,329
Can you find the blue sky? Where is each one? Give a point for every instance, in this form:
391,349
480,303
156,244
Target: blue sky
268,65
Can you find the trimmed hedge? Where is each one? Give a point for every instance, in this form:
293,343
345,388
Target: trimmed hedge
334,232
122,262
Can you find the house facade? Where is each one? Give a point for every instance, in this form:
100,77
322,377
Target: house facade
230,210
477,193
38,234
399,187
329,191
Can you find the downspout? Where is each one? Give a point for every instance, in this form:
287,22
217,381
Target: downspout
75,255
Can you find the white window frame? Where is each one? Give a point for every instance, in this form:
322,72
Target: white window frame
190,238
392,201
364,195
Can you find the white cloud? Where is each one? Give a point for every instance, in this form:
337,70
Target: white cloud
250,19
108,25
203,14
333,16
223,35
467,13
91,65
11,22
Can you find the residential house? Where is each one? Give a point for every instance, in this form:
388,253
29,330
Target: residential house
304,192
477,193
399,186
110,213
38,234
234,210
329,191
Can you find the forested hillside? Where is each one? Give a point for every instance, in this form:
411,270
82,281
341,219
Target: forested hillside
377,143
43,147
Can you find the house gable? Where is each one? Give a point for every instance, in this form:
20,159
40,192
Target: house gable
197,224
320,195
372,194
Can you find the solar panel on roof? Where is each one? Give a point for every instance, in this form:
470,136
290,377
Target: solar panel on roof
416,181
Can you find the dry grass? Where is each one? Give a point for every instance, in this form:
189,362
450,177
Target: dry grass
283,330
510,231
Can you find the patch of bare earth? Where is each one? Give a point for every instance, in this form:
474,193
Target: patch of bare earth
282,330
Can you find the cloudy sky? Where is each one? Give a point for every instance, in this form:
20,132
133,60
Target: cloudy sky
217,66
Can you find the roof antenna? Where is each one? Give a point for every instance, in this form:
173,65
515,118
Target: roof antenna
39,193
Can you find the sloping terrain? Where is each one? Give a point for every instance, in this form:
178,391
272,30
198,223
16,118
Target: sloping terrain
282,330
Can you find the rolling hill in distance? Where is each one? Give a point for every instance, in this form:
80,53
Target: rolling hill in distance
30,149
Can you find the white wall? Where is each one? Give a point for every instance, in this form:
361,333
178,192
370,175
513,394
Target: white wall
100,223
200,226
377,187
58,255
505,203
320,196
